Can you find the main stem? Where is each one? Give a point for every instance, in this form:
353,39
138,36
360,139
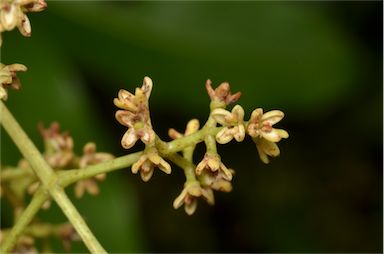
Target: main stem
48,178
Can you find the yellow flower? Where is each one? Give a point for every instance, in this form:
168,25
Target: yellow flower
266,148
147,162
232,122
260,125
191,191
12,14
216,180
135,115
134,103
212,163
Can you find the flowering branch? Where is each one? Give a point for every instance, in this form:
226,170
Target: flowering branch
46,174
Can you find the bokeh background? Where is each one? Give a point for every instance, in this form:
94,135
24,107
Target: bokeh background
319,62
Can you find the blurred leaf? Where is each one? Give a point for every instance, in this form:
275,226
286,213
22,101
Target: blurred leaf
284,55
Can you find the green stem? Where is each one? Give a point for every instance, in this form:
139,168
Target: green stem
26,217
12,173
68,177
48,178
77,221
185,164
189,140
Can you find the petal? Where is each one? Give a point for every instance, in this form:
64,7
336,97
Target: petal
164,166
191,208
282,133
240,133
222,185
207,193
174,134
91,187
89,148
238,113
125,118
227,175
263,156
126,101
25,26
179,201
79,189
17,67
125,95
220,116
3,94
137,165
129,138
224,136
101,177
148,135
272,136
8,18
208,86
256,115
146,175
270,148
272,117
147,86
201,166
192,126
213,162
154,157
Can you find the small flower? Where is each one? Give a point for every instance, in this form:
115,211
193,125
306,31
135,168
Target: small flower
137,129
260,125
8,78
212,163
266,148
222,93
191,191
192,126
137,102
12,14
147,162
135,115
216,180
58,146
233,122
91,157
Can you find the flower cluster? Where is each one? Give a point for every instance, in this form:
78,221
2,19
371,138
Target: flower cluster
13,14
8,78
59,154
210,173
135,115
259,127
91,157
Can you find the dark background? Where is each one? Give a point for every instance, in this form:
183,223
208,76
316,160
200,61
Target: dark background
319,62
